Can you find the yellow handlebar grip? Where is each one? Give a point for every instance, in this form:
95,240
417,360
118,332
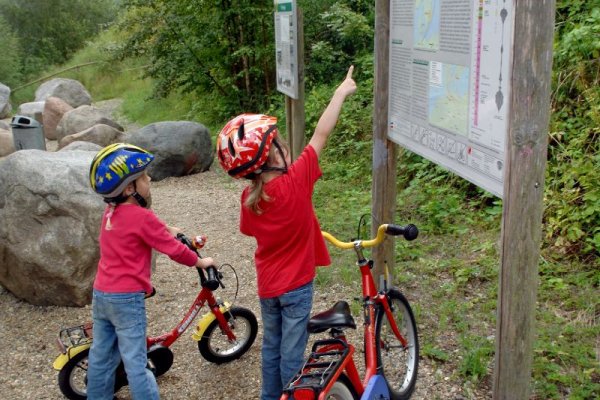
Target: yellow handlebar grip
362,243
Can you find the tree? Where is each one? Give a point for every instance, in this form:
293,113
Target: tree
223,47
226,47
11,55
50,31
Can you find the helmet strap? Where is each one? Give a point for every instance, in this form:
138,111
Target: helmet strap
267,168
138,197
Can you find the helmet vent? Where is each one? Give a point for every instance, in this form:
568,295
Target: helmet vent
241,131
231,148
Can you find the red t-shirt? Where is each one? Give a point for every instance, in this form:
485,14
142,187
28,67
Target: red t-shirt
126,249
287,233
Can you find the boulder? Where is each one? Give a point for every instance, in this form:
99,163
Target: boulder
50,224
82,118
7,145
79,145
33,110
180,147
54,109
5,107
100,134
4,125
70,90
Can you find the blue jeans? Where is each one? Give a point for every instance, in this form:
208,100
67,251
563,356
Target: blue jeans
119,333
284,338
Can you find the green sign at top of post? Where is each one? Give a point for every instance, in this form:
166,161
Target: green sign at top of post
283,7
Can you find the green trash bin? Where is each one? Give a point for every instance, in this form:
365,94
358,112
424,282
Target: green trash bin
27,133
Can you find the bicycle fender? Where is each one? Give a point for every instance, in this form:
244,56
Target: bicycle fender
206,320
71,352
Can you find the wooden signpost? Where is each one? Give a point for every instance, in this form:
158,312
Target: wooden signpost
524,92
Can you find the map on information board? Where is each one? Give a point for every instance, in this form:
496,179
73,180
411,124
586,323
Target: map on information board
449,97
449,75
427,24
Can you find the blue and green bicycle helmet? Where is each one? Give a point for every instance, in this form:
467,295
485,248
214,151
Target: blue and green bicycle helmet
115,166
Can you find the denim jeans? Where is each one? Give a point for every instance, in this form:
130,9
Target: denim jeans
284,338
119,333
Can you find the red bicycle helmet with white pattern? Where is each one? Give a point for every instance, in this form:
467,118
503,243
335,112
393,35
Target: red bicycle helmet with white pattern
244,143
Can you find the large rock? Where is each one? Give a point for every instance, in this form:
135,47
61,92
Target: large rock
7,144
70,90
4,125
54,109
78,145
82,118
50,224
33,110
100,134
180,147
5,107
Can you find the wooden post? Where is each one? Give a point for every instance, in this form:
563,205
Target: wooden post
384,150
523,197
295,115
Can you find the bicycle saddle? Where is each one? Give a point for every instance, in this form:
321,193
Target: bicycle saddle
337,316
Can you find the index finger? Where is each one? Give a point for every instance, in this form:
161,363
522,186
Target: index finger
350,70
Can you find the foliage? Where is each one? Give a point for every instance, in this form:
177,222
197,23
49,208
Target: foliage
572,216
336,37
225,49
11,54
50,31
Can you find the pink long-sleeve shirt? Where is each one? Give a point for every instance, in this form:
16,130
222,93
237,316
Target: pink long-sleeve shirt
126,249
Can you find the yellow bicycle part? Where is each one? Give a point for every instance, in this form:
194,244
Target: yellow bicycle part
71,352
362,243
206,320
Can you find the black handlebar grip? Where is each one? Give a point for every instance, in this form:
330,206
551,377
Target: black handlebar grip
184,239
212,282
410,231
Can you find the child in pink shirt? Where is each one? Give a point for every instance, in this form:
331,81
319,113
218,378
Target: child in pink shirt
129,232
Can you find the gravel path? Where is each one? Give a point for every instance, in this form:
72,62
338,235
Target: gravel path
202,203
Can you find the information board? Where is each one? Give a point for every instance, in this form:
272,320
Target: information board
286,47
449,84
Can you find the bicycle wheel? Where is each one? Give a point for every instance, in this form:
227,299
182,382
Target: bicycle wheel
342,390
399,364
216,347
72,378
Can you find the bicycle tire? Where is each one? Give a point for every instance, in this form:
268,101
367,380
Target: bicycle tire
399,365
214,345
72,378
342,389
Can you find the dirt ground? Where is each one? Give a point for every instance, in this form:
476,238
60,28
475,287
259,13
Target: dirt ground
205,203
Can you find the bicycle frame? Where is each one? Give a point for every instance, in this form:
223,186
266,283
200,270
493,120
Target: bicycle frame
372,300
216,311
205,296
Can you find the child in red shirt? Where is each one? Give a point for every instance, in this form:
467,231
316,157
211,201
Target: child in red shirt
129,232
277,211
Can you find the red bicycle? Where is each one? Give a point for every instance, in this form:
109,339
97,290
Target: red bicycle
223,334
391,345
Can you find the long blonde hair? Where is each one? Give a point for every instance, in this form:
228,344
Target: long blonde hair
257,192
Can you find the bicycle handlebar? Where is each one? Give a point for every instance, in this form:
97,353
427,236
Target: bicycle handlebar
212,280
410,232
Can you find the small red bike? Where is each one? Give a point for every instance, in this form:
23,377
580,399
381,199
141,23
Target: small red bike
223,334
391,345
